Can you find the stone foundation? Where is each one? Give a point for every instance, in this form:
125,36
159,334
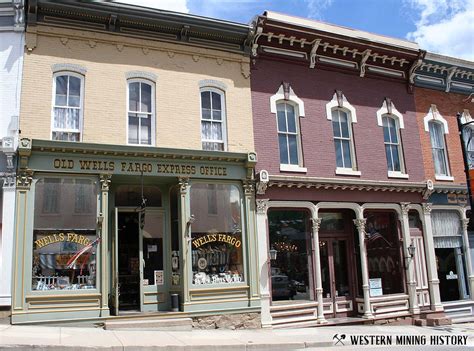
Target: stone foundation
228,321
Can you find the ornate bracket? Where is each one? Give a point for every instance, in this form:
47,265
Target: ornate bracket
24,179
9,180
405,208
418,62
449,77
427,207
257,35
312,54
105,180
363,62
249,187
429,189
19,19
183,185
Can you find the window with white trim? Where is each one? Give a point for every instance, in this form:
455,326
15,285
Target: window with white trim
391,137
67,113
343,143
141,112
288,134
213,123
438,148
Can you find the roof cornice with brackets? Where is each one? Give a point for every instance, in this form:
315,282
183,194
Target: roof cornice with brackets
324,46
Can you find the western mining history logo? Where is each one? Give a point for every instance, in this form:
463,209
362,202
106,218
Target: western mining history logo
402,340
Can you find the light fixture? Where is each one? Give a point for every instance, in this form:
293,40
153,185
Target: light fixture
411,250
273,254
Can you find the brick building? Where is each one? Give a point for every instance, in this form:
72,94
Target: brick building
341,207
444,87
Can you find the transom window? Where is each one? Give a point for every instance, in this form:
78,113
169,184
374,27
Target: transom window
288,131
213,132
141,112
342,132
391,136
438,148
67,107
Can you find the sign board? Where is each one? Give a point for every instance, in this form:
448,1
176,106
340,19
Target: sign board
375,286
159,278
451,276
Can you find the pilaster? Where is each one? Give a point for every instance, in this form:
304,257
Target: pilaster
316,224
467,255
185,226
103,227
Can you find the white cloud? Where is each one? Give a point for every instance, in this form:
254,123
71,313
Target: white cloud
171,5
445,27
316,7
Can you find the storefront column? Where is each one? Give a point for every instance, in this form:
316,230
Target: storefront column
185,225
104,230
252,239
317,266
467,255
433,281
360,224
7,237
264,262
409,261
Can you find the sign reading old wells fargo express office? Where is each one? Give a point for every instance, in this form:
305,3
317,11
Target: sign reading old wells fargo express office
147,167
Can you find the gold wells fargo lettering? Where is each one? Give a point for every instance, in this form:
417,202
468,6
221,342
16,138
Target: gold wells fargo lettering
97,165
56,238
136,167
209,238
176,169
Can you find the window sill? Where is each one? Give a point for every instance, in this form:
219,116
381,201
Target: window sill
392,174
347,171
292,168
445,178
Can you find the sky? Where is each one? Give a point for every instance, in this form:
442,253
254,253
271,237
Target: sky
441,26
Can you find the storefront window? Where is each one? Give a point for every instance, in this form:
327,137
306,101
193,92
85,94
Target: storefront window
64,234
216,238
447,237
289,236
384,256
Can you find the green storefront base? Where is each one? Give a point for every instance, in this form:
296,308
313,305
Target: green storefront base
112,165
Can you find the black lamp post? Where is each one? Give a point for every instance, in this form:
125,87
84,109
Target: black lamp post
465,142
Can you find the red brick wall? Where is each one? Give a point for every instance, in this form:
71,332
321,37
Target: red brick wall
316,88
448,105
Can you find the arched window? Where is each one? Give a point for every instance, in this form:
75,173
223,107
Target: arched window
213,121
288,134
391,138
141,112
67,106
438,148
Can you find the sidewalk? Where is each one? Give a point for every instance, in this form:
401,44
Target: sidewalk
70,338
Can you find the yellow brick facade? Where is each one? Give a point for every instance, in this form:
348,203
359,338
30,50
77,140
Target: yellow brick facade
108,58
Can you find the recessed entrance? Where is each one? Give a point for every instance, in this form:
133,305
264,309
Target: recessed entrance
128,261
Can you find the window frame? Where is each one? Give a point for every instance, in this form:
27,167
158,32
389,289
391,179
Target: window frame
438,176
223,121
401,159
81,77
353,168
152,114
288,166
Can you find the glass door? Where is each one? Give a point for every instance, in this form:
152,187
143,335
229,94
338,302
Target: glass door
336,277
155,259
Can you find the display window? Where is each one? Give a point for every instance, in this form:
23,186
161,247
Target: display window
216,234
384,254
65,234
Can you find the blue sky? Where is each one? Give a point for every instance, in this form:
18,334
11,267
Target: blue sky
441,26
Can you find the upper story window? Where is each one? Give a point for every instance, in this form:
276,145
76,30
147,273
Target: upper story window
288,109
392,122
437,126
438,149
213,121
342,114
392,144
288,134
67,106
141,112
342,132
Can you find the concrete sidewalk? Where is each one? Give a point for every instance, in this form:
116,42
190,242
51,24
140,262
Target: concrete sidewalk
71,338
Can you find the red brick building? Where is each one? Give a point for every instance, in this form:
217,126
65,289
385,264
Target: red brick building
444,89
341,208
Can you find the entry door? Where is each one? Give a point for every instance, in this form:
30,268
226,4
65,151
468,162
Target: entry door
336,273
421,276
155,261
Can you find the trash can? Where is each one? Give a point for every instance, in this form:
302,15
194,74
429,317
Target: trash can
174,303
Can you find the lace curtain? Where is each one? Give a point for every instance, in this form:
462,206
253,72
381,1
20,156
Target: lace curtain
447,231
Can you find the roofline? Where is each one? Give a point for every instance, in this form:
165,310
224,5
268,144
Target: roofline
341,30
460,63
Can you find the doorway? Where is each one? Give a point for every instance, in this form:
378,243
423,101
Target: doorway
336,276
128,261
